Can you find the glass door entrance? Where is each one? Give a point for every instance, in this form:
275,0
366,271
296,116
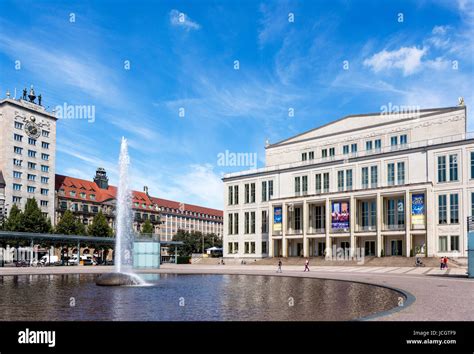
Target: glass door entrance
396,247
370,248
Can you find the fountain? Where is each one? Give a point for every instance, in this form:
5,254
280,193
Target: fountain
123,274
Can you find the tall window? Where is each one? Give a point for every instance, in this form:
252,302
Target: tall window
396,213
304,184
348,179
264,191
345,149
247,193
304,156
236,223
311,155
231,195
454,243
365,177
391,174
264,221
354,148
297,185
378,144
442,210
441,168
443,243
368,145
472,164
373,176
297,218
472,204
324,153
394,140
252,193
270,189
403,139
326,182
252,222
340,180
318,183
230,224
332,151
247,222
454,208
236,194
401,172
453,167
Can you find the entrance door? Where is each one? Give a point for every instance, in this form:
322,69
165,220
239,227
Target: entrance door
344,245
299,249
321,248
370,248
396,247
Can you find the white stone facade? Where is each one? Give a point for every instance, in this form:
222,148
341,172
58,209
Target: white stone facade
380,165
28,154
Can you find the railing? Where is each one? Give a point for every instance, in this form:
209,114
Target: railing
316,230
294,231
361,228
394,227
362,153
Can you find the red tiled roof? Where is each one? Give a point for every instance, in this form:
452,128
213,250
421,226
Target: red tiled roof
186,207
79,186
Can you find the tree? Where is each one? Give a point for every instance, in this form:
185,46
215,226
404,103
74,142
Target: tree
70,225
147,228
193,242
13,222
33,219
100,227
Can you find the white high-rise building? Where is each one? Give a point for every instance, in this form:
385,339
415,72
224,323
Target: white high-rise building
387,184
28,152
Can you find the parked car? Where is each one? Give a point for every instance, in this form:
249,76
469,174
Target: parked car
49,260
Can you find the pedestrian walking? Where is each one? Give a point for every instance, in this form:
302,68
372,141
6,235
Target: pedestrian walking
279,266
441,265
306,265
445,261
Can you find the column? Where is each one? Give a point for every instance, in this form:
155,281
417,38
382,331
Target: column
430,205
327,228
352,213
270,231
407,223
379,225
305,228
166,228
283,232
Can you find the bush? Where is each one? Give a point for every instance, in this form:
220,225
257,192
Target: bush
184,259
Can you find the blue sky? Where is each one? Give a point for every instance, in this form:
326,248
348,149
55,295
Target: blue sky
183,55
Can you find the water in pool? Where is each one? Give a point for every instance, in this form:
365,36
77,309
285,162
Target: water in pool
172,297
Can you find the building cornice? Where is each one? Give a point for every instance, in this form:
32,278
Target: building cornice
351,159
433,111
31,107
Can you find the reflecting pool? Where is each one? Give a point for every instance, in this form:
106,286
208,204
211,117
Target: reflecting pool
172,297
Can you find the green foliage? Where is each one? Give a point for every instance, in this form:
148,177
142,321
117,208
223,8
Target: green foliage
147,228
13,222
29,220
193,242
70,225
100,227
183,259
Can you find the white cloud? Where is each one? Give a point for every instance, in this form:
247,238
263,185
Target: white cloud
440,30
180,19
408,59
